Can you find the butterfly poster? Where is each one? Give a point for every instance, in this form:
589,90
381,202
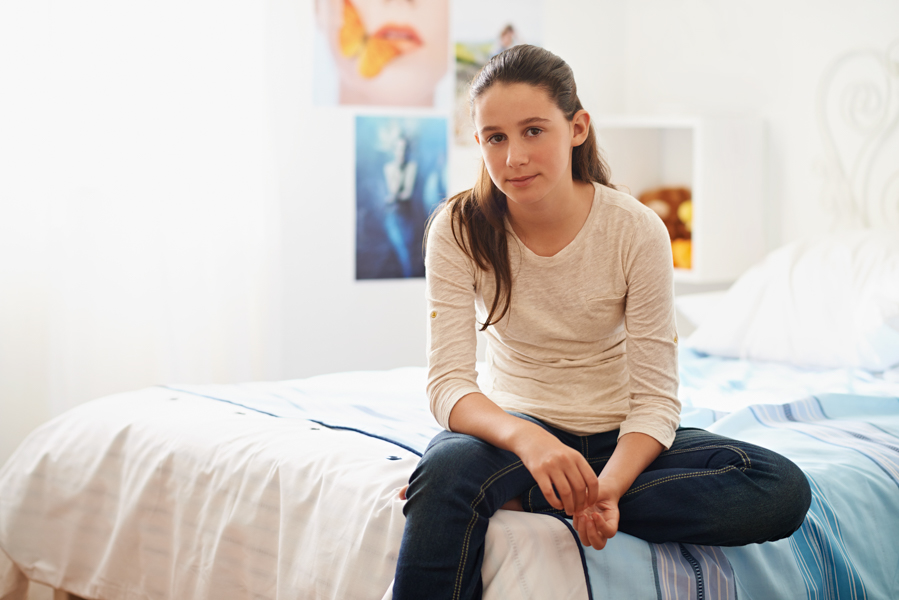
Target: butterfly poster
383,53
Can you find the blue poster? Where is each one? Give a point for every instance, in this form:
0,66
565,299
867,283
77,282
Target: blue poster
400,180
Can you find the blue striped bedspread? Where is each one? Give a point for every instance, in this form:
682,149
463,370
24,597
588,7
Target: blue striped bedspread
848,447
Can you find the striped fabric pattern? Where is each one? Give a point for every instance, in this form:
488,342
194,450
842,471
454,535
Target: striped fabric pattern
807,416
821,554
687,571
819,546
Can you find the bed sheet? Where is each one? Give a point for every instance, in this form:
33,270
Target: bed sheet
712,386
207,491
847,443
392,405
163,494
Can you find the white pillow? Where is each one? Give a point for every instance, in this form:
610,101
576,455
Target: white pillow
696,307
827,302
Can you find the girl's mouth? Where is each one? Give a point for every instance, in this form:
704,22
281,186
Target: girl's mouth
522,181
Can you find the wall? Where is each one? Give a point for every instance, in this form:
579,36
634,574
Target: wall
635,56
764,58
644,57
331,322
139,231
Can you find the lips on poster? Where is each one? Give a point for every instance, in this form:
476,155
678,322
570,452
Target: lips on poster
382,52
400,180
500,24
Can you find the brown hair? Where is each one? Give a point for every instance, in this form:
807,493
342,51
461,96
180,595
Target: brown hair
479,213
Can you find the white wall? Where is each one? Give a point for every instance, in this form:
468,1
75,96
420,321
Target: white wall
331,322
640,56
138,222
764,58
630,56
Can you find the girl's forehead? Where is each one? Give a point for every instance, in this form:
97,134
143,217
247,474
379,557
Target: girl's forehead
516,89
510,100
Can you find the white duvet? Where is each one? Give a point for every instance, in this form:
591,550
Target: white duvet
156,494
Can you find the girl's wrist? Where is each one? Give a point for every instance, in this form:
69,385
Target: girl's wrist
616,484
521,434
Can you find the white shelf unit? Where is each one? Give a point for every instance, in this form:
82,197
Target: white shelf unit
720,159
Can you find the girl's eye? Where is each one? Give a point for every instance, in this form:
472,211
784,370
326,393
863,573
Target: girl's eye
496,138
534,131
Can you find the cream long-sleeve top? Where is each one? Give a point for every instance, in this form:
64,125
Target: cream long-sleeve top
589,343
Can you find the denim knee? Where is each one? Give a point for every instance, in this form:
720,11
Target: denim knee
456,468
784,499
796,498
441,459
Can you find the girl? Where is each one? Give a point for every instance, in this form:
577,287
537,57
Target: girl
571,281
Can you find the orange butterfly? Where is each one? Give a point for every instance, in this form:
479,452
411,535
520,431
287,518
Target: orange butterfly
375,50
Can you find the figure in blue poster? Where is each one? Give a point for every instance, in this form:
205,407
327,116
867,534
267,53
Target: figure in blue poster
400,180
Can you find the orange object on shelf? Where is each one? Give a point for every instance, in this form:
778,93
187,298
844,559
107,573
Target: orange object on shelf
682,251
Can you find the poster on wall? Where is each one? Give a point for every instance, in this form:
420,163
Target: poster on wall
400,179
377,53
500,24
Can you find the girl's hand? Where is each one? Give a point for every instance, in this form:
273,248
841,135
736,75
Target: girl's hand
599,522
562,473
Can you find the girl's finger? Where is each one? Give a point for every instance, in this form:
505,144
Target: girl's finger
549,493
603,528
592,489
606,522
590,535
579,489
582,532
563,489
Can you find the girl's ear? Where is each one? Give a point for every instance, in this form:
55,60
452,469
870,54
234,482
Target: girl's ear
580,127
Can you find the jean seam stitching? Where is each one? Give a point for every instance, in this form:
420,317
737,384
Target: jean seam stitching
645,486
474,516
742,453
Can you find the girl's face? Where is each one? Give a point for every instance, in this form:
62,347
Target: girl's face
390,52
526,141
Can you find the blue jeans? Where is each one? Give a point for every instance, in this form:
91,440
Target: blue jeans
705,489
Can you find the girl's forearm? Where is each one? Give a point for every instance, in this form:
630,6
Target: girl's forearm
562,473
634,452
477,415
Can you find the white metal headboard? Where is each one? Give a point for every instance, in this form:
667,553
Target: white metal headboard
858,117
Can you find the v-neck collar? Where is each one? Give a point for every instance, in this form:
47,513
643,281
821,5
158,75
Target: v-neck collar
576,241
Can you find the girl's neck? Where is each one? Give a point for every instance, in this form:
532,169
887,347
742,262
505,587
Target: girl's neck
550,225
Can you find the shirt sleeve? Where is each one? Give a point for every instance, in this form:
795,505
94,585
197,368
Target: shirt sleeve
452,338
651,333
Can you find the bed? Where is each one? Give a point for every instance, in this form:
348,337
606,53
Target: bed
277,490
289,490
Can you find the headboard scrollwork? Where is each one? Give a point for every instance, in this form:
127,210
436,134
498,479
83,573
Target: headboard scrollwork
858,117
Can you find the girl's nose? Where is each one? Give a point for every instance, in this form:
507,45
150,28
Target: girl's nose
517,154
